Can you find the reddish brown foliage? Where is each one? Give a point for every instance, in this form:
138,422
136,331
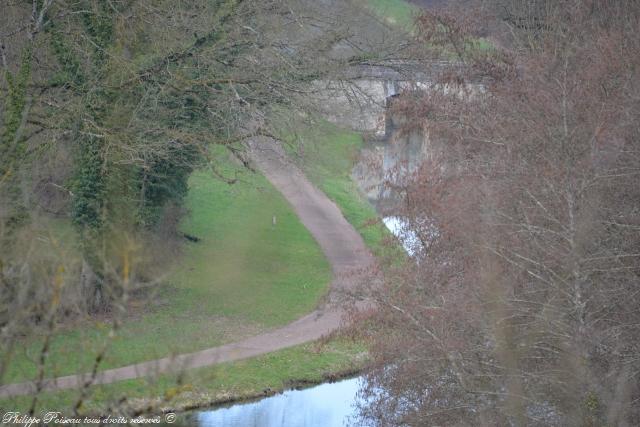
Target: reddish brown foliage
525,307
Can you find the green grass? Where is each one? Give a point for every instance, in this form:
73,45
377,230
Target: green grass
245,266
401,14
327,155
308,363
395,12
244,276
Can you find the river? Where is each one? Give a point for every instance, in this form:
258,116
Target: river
325,405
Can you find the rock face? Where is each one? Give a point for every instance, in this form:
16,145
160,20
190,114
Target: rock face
387,161
359,99
358,96
360,104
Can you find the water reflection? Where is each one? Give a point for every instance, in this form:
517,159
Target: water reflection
326,405
400,229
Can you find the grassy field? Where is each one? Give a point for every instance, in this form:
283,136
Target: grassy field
242,277
395,12
305,364
401,14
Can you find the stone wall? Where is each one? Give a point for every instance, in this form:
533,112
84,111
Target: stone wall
359,104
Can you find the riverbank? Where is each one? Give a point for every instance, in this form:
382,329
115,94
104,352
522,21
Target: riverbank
322,362
307,364
342,246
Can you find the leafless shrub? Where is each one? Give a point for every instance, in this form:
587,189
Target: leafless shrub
524,311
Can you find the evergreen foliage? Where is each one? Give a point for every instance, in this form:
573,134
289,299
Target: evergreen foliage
165,181
12,144
71,73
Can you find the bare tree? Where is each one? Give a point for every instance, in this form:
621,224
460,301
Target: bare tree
108,106
523,308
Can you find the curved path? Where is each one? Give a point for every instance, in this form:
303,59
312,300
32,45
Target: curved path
339,241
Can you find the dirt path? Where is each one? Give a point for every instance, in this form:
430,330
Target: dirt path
339,241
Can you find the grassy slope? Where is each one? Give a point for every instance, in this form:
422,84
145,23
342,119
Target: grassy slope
245,267
219,279
247,251
243,276
327,154
308,363
401,14
395,12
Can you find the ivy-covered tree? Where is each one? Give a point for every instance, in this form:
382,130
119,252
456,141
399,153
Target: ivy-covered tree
12,141
135,92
